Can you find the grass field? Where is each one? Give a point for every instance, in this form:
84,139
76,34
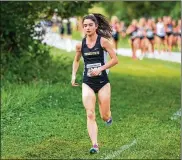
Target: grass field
43,120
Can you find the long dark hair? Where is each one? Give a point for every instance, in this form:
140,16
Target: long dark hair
104,29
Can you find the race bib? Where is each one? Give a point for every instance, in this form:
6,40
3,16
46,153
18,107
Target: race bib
134,34
90,67
161,30
139,33
170,29
149,33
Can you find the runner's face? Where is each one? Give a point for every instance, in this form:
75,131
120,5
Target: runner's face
134,22
89,27
169,20
179,22
159,19
174,23
150,22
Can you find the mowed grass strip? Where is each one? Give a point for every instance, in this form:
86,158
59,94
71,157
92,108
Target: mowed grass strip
43,120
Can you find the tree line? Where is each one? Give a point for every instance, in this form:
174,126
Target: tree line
128,10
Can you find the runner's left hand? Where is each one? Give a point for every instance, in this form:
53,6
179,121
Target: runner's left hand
95,71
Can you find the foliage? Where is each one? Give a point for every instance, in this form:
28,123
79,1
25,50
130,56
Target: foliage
17,19
128,10
70,9
22,58
34,64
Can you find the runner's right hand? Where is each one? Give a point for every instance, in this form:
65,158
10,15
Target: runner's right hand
73,83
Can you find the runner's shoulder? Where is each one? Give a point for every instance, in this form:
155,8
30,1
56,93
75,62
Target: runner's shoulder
104,42
78,46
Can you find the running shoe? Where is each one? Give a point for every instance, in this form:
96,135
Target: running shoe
109,121
94,149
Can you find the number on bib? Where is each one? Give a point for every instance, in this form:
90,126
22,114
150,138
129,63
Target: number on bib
90,67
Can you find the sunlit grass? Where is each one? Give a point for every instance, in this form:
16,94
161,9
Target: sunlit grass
44,120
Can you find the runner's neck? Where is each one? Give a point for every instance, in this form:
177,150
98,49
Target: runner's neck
92,38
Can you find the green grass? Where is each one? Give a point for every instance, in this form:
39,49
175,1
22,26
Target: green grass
76,35
43,120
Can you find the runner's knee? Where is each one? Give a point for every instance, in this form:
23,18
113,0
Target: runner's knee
90,115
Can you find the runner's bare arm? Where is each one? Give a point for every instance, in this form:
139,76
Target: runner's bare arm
108,47
114,60
76,64
129,30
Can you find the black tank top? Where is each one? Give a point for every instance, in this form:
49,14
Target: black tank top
93,58
170,28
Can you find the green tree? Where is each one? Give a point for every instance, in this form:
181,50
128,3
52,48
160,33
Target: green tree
17,19
22,58
128,10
